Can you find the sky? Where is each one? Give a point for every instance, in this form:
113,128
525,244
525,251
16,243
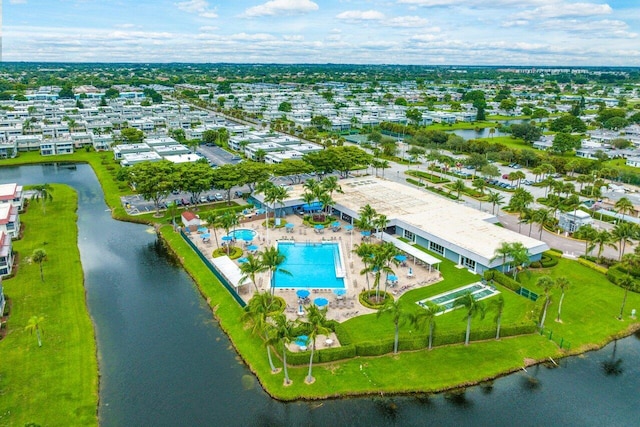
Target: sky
423,32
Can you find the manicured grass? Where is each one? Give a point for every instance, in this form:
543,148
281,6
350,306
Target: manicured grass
56,384
507,141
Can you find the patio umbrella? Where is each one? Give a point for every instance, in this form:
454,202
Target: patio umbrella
206,236
348,227
319,226
252,247
392,278
227,238
365,233
289,225
339,292
243,260
202,229
302,340
302,293
320,302
247,238
401,258
335,224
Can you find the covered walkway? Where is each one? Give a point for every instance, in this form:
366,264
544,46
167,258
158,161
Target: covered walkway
229,270
410,250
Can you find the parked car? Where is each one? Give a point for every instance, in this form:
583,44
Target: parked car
211,198
505,176
219,197
203,199
238,194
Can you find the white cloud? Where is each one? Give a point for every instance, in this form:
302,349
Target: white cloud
484,4
361,15
600,29
515,23
17,1
406,22
201,7
125,26
565,10
281,7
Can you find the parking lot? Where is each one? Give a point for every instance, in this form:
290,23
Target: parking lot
217,156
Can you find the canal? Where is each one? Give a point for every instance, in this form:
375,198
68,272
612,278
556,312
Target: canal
165,362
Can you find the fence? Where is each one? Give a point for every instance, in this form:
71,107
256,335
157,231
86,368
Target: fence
215,271
528,294
562,343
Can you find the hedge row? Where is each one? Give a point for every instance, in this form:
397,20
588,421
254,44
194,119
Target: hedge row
502,279
415,182
617,272
592,265
441,192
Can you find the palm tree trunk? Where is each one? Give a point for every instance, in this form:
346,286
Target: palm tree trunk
560,306
41,274
395,341
624,301
498,327
40,340
430,335
284,361
273,368
466,338
309,377
544,313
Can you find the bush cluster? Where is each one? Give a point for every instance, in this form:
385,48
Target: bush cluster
502,279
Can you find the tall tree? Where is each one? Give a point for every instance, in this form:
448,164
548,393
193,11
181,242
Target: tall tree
547,284
34,326
250,268
284,332
473,307
626,282
398,314
256,315
43,195
314,326
458,186
272,260
623,206
154,181
498,305
496,199
427,318
39,256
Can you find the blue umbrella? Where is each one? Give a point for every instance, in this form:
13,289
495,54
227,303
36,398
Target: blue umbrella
320,302
365,233
339,292
348,227
302,293
289,225
202,229
319,226
206,235
227,238
392,278
302,340
335,224
401,258
243,260
252,247
247,238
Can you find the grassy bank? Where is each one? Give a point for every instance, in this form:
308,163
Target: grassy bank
56,384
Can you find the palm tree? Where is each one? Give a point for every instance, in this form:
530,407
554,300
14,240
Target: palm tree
563,284
503,251
398,316
588,234
39,256
213,221
427,317
473,307
43,194
380,224
330,184
519,256
229,220
547,284
542,217
458,186
315,325
498,305
381,256
623,233
626,282
283,334
623,206
365,252
256,314
250,268
602,239
272,260
495,198
34,325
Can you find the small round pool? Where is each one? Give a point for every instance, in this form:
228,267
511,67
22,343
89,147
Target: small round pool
243,234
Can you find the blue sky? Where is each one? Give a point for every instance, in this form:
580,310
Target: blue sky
484,32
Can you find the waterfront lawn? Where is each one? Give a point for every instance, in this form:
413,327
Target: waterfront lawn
56,384
591,304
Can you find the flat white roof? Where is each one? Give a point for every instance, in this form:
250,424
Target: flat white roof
229,270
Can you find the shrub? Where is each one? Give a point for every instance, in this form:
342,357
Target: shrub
234,252
365,296
417,342
592,265
502,279
548,261
336,353
301,357
342,334
374,348
414,182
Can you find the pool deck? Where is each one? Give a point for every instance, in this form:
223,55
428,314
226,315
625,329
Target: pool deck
340,308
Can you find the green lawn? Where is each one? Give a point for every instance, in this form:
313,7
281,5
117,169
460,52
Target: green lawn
56,384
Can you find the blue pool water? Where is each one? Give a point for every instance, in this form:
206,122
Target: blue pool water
311,265
243,234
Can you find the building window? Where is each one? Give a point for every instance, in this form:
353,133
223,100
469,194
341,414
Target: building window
469,263
409,235
439,249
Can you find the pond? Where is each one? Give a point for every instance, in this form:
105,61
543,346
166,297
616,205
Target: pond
165,362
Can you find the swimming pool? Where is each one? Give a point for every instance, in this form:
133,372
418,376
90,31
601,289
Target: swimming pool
447,299
243,234
312,265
